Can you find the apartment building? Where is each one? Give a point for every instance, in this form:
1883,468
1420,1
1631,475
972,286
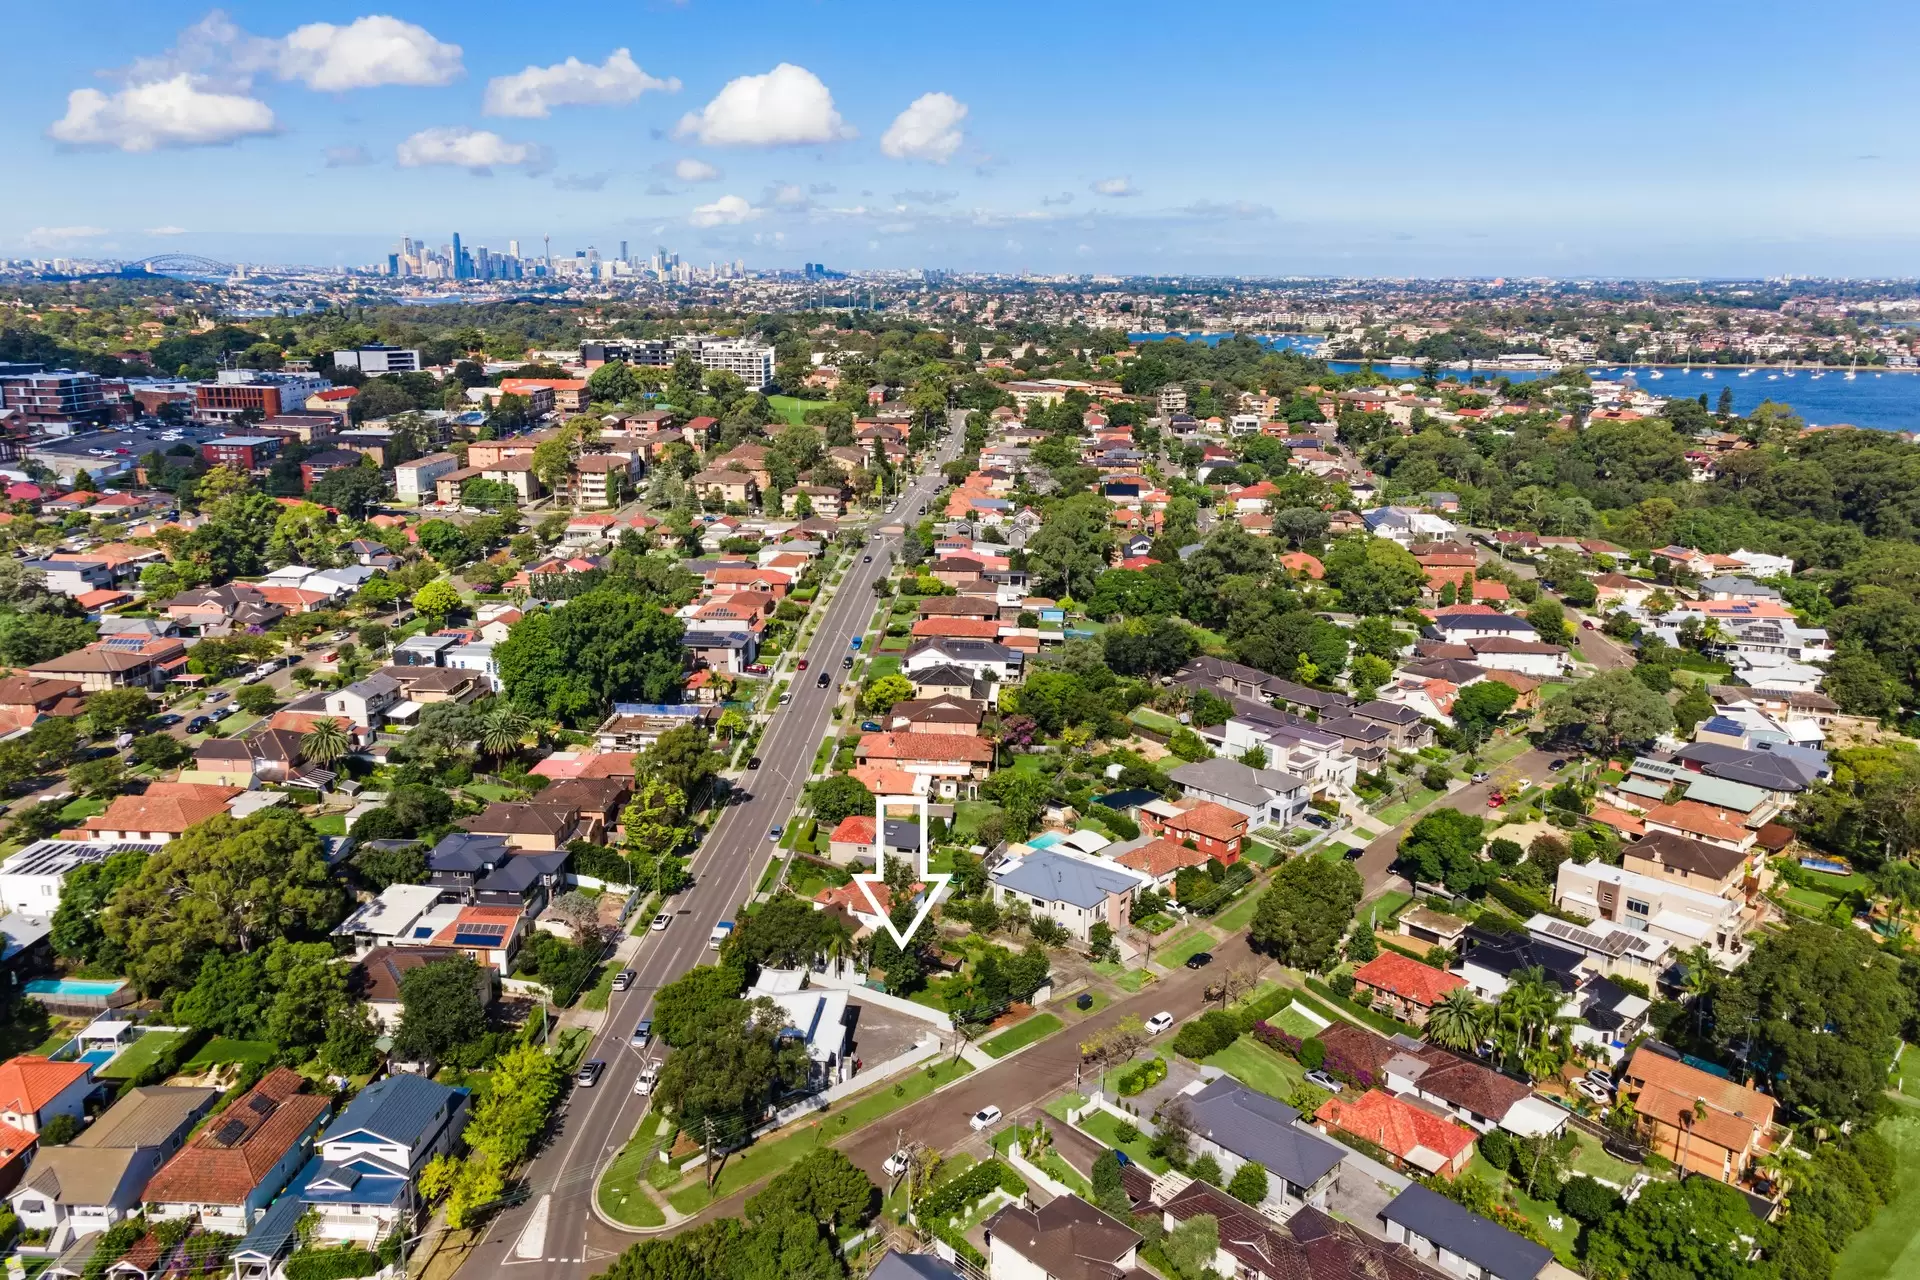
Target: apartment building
377,358
52,401
751,362
237,391
1641,903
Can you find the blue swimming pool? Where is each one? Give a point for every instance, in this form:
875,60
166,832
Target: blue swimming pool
97,1058
1045,840
97,988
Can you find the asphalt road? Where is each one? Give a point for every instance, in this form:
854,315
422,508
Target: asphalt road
1376,863
595,1123
1603,651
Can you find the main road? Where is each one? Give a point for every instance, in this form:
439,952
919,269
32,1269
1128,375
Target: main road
549,1232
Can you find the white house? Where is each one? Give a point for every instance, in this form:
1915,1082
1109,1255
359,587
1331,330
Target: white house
31,880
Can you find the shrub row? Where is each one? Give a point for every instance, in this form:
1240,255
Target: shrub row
343,1263
952,1198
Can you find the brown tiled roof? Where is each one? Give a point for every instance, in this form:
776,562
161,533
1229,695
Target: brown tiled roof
960,747
230,1155
1159,857
380,971
1695,857
1210,819
1697,818
1668,1087
511,818
1067,1237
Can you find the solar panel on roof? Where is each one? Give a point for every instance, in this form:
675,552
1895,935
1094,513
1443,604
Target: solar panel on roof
479,936
423,931
261,1104
230,1132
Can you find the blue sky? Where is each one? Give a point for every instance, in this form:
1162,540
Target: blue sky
1257,138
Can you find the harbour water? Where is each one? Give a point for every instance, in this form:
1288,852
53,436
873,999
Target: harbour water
1877,399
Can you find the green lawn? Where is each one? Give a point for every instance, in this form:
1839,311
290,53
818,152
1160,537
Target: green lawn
1182,948
1535,1211
80,810
763,1160
1395,814
1387,906
1504,749
1100,1001
1104,1125
1293,1022
1889,1247
140,1055
1035,1028
1240,914
1030,766
489,792
330,824
620,1195
1258,1067
792,409
967,817
596,996
1151,719
1262,854
1132,980
221,1050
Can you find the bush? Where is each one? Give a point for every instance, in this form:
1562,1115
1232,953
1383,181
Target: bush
955,1197
1342,985
1206,1035
1142,1076
1505,852
1585,1200
1126,1131
1436,777
1312,1053
1497,1147
1206,1169
331,1264
1249,1185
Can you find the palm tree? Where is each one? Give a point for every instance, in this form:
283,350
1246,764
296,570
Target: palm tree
1688,1118
1459,1021
325,743
1529,1008
1701,979
501,730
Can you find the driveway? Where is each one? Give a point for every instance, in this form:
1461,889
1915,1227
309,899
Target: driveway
1376,864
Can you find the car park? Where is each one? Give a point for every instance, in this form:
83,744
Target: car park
589,1074
660,922
1199,959
1159,1022
984,1118
623,979
1322,1080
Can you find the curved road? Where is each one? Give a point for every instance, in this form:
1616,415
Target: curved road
594,1123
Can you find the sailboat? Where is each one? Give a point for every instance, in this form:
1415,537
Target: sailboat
1656,374
1854,370
1707,374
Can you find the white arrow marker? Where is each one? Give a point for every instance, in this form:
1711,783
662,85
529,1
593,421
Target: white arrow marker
867,881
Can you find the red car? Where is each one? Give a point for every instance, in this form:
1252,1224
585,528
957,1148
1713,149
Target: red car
1495,800
800,665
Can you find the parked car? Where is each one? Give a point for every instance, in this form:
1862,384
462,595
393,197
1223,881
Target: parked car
1495,800
1159,1022
756,668
773,833
866,559
623,979
1601,1076
896,1164
1321,1079
984,1118
1481,776
648,1077
1586,624
1593,1091
1555,766
870,726
856,643
589,1074
216,697
800,665
1199,959
661,921
198,724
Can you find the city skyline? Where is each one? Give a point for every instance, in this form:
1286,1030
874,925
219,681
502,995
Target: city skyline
1391,142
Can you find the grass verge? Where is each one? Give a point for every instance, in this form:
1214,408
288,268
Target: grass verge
1035,1028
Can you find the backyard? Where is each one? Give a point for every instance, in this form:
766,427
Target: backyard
1260,1068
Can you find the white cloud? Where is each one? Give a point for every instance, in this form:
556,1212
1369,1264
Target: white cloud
727,211
177,112
582,181
1116,187
1238,209
691,170
53,237
788,195
786,107
166,231
573,83
347,157
929,129
367,52
476,149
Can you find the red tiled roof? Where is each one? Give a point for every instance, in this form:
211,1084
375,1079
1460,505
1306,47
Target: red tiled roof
957,628
1210,819
855,828
1160,857
223,1165
171,807
28,1083
1407,978
1396,1125
961,747
1696,818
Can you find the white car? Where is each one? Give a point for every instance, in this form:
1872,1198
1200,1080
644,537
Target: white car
643,1084
1593,1091
896,1164
661,921
1159,1022
984,1118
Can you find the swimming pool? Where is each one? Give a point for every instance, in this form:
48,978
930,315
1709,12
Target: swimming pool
97,1058
97,988
1045,840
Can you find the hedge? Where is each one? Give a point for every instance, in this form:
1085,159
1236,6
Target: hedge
1521,902
168,1063
1251,1013
1379,1022
1141,1077
342,1263
951,1198
1206,1035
